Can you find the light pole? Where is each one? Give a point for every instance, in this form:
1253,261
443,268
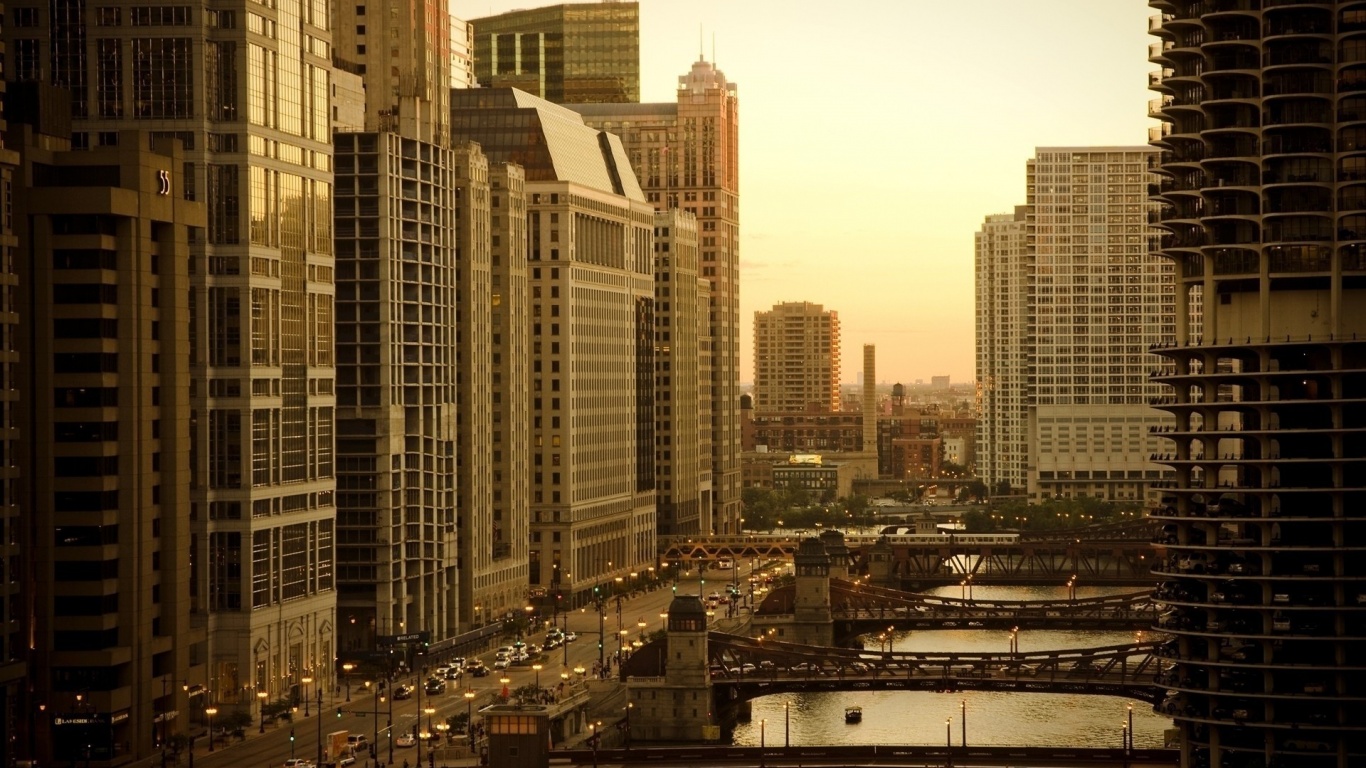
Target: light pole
787,724
346,673
305,680
374,743
948,737
505,680
469,716
389,727
210,712
537,667
1131,727
320,725
664,621
593,741
261,697
963,729
602,638
629,706
641,624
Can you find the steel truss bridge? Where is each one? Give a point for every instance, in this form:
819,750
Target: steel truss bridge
859,608
776,754
1117,553
744,668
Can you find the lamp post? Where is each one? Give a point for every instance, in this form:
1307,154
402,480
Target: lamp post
1131,728
537,668
948,737
305,680
630,705
374,743
963,729
664,621
320,725
346,673
641,624
505,680
787,724
210,712
621,639
593,742
389,727
261,696
469,716
602,638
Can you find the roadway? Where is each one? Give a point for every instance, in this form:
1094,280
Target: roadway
272,748
880,755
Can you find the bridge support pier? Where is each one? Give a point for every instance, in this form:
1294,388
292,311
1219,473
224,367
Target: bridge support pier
678,705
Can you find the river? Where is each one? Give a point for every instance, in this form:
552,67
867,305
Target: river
993,717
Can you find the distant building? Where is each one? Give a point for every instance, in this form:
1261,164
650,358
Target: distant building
573,53
1097,299
939,382
796,359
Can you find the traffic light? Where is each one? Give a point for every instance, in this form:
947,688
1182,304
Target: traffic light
291,735
338,713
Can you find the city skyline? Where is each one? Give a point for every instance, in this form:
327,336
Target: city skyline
927,123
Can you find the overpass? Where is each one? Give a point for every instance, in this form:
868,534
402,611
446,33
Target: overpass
872,754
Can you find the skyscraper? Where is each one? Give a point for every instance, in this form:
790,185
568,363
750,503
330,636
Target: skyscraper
573,53
1095,299
1002,293
405,52
686,155
13,669
105,351
591,280
796,359
248,96
1263,201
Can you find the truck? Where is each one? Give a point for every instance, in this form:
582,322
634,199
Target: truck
337,746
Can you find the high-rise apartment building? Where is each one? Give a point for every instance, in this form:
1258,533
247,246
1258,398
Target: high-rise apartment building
1002,296
1263,201
104,344
396,388
686,155
682,420
591,280
573,53
1095,300
246,90
796,359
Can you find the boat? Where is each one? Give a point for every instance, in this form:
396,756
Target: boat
853,714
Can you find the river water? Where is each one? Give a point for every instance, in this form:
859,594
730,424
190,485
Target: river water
994,718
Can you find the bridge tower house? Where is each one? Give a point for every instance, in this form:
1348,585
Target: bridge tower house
833,541
881,564
811,620
677,706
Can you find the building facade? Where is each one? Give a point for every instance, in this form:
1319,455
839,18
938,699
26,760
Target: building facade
686,155
797,359
1096,299
591,279
14,701
1002,295
1262,199
105,350
396,388
405,50
573,53
258,155
682,400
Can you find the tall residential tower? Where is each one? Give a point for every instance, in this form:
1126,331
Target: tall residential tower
1263,201
796,359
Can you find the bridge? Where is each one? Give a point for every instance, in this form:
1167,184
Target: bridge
1116,553
872,754
742,668
858,607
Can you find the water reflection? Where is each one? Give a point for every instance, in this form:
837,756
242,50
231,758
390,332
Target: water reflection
993,718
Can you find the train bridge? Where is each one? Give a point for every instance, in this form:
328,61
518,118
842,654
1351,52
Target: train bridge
1116,554
857,607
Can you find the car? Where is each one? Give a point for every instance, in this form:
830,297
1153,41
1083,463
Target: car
551,643
345,760
454,673
479,671
533,650
435,685
299,762
402,692
571,636
748,668
505,650
458,661
502,662
405,741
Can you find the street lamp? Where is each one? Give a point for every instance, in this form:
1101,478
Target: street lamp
374,743
423,735
641,624
505,681
621,639
537,668
261,695
787,724
1131,727
346,670
579,670
964,729
664,620
210,712
305,680
469,716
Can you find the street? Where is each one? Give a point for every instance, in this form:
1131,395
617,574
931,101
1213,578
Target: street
620,624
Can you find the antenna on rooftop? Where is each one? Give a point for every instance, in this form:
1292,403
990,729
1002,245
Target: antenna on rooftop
701,50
